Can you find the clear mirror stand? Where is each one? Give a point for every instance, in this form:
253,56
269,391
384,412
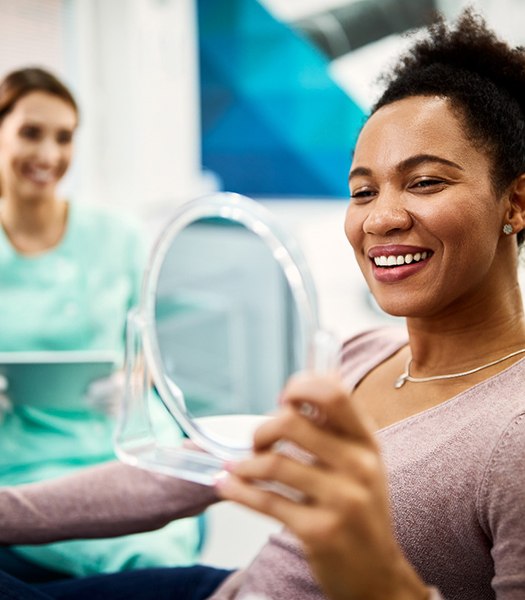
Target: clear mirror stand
135,441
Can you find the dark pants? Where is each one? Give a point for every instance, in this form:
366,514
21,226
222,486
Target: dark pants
177,583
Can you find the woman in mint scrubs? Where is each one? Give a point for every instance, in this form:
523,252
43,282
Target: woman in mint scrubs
69,273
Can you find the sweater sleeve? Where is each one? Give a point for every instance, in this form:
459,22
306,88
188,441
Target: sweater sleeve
501,505
103,501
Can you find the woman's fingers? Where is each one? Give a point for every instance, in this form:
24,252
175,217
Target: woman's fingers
330,429
323,447
330,507
316,484
329,403
275,467
308,518
262,499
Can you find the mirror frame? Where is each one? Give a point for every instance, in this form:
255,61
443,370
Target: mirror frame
135,441
259,220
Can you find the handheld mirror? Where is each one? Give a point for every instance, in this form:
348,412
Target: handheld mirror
228,312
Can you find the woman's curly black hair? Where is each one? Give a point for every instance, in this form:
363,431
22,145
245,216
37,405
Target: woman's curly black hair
484,80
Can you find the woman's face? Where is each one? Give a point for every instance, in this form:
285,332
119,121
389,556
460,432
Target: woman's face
36,145
423,219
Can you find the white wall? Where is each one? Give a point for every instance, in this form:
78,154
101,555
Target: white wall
31,33
134,67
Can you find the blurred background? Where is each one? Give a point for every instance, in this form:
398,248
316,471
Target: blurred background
260,97
263,97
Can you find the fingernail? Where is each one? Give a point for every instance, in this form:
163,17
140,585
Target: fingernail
221,480
229,466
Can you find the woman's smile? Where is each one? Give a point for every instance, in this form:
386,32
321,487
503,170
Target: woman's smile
391,263
39,175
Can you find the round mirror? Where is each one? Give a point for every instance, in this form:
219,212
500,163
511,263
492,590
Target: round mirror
228,314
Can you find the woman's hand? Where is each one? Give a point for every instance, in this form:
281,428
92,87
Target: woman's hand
342,517
105,395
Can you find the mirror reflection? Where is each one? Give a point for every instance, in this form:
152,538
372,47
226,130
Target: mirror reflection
227,327
228,312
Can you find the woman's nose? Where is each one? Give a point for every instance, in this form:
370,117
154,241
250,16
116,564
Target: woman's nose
49,151
387,214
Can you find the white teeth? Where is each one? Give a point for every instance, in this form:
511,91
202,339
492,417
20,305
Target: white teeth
400,259
41,175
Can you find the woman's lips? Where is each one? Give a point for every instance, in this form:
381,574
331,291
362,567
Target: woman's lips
394,263
40,176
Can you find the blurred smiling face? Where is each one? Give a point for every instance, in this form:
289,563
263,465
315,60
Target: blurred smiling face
423,220
36,145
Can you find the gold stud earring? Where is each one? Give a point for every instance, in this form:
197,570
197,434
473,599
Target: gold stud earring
507,229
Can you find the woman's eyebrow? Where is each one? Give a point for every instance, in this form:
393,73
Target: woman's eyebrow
408,163
414,161
365,171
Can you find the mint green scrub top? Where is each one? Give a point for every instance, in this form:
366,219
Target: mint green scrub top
76,297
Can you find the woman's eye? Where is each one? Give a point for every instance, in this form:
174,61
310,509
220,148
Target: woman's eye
30,132
362,195
429,184
64,137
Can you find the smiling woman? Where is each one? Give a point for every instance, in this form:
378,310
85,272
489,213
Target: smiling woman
408,202
69,273
38,117
34,174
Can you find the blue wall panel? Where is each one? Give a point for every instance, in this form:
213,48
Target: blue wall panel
274,123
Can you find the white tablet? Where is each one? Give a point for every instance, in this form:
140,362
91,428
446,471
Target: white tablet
54,380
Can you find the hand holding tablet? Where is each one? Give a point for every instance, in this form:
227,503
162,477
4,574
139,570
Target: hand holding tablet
57,380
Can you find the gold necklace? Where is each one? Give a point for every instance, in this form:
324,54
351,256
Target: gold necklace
405,376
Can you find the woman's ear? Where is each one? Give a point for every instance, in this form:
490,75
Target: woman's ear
516,211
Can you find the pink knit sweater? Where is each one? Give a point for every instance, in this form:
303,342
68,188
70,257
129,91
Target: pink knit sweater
457,481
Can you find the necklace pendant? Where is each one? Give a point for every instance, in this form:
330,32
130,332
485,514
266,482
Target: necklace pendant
401,380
